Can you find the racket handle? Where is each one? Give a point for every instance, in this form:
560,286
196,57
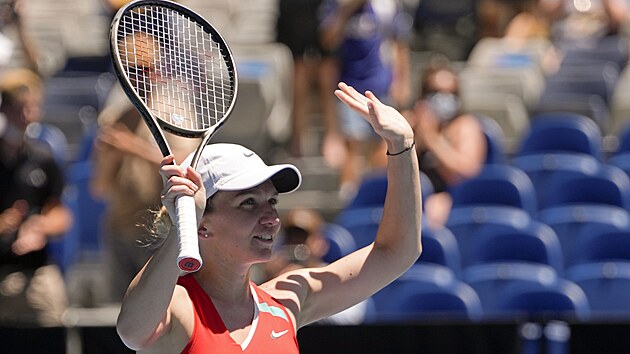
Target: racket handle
188,258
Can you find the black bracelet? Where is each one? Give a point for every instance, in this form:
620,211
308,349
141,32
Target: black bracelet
405,150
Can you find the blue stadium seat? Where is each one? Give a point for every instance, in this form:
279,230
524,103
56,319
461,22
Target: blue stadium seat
569,83
561,300
570,221
373,188
362,223
427,291
495,139
84,236
438,12
621,161
536,243
588,105
503,239
602,68
499,185
562,132
466,222
371,191
490,280
340,242
439,246
607,287
545,167
606,185
600,242
609,48
53,138
624,140
620,157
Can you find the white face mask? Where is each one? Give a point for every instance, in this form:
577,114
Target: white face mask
445,105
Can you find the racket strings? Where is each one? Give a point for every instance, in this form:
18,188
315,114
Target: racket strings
176,67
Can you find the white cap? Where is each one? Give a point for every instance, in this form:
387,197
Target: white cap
232,167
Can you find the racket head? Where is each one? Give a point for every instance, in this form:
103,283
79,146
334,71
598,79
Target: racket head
174,66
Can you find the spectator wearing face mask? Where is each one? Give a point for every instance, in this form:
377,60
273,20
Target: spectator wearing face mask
450,144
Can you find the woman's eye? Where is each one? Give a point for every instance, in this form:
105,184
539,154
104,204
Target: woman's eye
273,201
249,201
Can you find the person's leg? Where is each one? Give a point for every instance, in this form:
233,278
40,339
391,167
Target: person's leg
300,106
359,139
334,149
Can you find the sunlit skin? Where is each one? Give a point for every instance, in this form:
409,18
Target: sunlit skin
238,230
243,229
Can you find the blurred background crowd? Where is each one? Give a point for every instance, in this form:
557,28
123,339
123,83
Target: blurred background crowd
519,107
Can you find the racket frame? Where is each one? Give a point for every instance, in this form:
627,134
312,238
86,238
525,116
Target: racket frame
156,125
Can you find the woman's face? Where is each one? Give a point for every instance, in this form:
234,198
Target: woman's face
243,224
442,81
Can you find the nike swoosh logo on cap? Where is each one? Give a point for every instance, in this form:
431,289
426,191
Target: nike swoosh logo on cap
276,335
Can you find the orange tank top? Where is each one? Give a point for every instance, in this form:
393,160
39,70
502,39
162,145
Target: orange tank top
272,330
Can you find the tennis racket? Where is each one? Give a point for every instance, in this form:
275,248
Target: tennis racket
179,73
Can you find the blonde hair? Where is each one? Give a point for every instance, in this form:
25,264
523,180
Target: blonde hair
159,230
15,82
162,226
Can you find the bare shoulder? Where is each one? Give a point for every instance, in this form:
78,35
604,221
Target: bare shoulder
467,121
466,125
290,289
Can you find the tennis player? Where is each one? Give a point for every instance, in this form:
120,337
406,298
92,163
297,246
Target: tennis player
219,309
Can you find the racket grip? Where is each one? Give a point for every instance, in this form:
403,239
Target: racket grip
188,258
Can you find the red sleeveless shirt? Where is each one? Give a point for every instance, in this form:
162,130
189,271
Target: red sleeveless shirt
272,330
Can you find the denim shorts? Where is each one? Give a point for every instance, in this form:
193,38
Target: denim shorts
353,126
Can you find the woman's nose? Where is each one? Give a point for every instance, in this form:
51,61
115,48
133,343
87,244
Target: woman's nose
270,217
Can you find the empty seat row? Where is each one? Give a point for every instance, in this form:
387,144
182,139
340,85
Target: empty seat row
506,291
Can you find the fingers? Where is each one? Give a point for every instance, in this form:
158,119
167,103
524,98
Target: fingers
352,98
168,168
178,181
194,177
372,97
352,93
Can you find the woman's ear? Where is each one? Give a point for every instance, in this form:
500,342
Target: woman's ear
202,231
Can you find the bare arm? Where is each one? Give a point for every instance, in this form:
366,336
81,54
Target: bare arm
313,294
154,308
145,312
460,148
618,13
334,26
35,231
401,86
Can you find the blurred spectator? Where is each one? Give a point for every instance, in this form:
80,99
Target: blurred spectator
126,177
583,20
32,289
451,145
495,15
297,27
529,21
303,245
13,37
569,21
370,39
